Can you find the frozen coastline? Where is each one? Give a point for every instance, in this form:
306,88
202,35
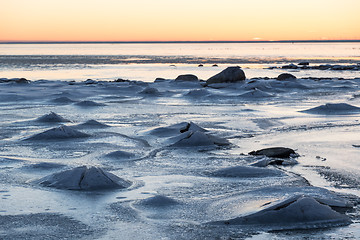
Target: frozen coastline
174,158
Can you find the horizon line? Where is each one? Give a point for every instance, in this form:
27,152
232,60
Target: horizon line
149,42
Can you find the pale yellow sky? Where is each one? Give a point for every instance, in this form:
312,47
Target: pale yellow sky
185,20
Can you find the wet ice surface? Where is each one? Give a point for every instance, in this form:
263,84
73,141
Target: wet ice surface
182,150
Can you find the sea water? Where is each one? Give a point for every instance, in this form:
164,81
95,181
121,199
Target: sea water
146,62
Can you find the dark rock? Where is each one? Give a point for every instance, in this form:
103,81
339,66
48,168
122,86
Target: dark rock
276,152
187,78
290,66
200,65
324,67
22,80
285,76
90,81
304,63
230,74
121,80
214,65
159,79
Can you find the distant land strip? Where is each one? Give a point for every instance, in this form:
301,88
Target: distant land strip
170,42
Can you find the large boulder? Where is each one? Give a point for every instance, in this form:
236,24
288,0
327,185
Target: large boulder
285,76
230,74
187,78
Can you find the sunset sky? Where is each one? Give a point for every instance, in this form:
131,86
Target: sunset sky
185,20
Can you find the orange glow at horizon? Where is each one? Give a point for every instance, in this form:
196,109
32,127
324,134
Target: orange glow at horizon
166,20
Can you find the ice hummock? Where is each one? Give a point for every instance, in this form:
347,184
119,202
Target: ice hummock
52,118
92,124
83,178
298,212
176,129
121,155
59,133
88,103
197,138
158,201
188,134
256,93
333,108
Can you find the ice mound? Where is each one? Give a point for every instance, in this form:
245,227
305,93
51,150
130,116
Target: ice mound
197,138
150,91
198,93
92,124
62,132
275,152
52,118
46,165
188,134
299,212
333,108
89,104
247,172
176,129
256,93
158,201
83,178
63,100
121,155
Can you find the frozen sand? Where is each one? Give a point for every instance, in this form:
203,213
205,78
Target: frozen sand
185,149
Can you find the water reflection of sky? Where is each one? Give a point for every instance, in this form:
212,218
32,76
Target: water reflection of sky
146,62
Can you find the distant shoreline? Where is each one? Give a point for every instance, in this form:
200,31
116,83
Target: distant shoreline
175,42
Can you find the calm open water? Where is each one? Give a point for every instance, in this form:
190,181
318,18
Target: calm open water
146,62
